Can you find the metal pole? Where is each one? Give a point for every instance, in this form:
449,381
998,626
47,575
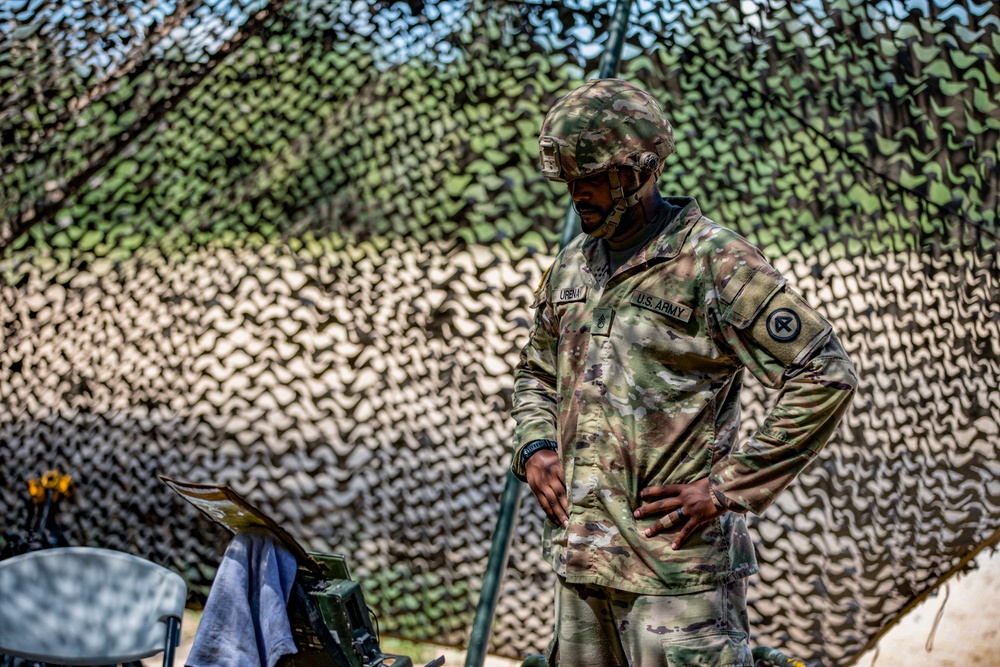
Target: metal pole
606,69
482,626
571,227
612,55
510,501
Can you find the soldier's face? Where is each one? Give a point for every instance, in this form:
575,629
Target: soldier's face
592,199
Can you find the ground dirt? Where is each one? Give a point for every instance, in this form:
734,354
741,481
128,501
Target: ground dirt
968,634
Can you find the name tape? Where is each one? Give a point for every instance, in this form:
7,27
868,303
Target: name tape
661,306
565,294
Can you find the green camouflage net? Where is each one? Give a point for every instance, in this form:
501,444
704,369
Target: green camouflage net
291,246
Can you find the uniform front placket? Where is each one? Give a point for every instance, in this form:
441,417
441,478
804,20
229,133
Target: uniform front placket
589,414
592,421
587,418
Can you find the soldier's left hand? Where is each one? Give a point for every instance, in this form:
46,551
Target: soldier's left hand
690,505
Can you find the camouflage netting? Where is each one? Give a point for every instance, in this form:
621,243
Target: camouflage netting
290,246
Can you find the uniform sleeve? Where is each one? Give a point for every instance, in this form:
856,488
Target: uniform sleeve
789,347
535,398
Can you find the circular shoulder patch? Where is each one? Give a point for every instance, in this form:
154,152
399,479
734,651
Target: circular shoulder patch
784,324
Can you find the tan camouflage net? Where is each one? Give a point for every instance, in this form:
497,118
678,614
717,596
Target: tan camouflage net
291,246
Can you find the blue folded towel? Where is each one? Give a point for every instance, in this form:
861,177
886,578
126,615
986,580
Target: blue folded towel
245,623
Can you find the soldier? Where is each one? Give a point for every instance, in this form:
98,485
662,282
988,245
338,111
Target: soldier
627,406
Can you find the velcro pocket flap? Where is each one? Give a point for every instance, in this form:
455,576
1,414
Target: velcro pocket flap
707,650
746,295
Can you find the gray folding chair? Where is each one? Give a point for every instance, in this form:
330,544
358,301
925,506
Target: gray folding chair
85,606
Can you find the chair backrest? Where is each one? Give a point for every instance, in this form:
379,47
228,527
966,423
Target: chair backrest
86,606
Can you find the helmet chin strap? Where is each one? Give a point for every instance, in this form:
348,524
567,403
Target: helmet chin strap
622,201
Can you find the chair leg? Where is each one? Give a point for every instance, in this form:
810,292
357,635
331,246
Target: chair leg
173,638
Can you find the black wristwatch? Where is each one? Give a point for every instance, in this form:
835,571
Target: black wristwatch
536,446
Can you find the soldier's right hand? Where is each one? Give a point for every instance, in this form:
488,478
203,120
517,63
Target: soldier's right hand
547,481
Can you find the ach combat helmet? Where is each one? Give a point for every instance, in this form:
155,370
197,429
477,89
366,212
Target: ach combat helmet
604,125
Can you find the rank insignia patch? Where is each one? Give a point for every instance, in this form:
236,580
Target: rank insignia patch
783,324
602,321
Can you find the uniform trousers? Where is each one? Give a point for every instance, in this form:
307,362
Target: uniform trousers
605,627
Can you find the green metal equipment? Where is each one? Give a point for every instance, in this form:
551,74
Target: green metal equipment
331,623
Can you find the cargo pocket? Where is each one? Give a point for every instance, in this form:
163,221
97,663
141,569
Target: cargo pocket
709,650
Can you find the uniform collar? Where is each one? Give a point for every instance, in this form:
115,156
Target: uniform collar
665,245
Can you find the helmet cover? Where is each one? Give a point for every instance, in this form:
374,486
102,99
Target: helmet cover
602,124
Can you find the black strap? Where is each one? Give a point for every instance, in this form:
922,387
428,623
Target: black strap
536,446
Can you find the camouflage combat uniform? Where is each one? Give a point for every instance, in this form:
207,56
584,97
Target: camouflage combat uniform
605,627
636,376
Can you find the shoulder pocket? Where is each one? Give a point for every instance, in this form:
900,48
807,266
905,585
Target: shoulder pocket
746,294
788,328
772,315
